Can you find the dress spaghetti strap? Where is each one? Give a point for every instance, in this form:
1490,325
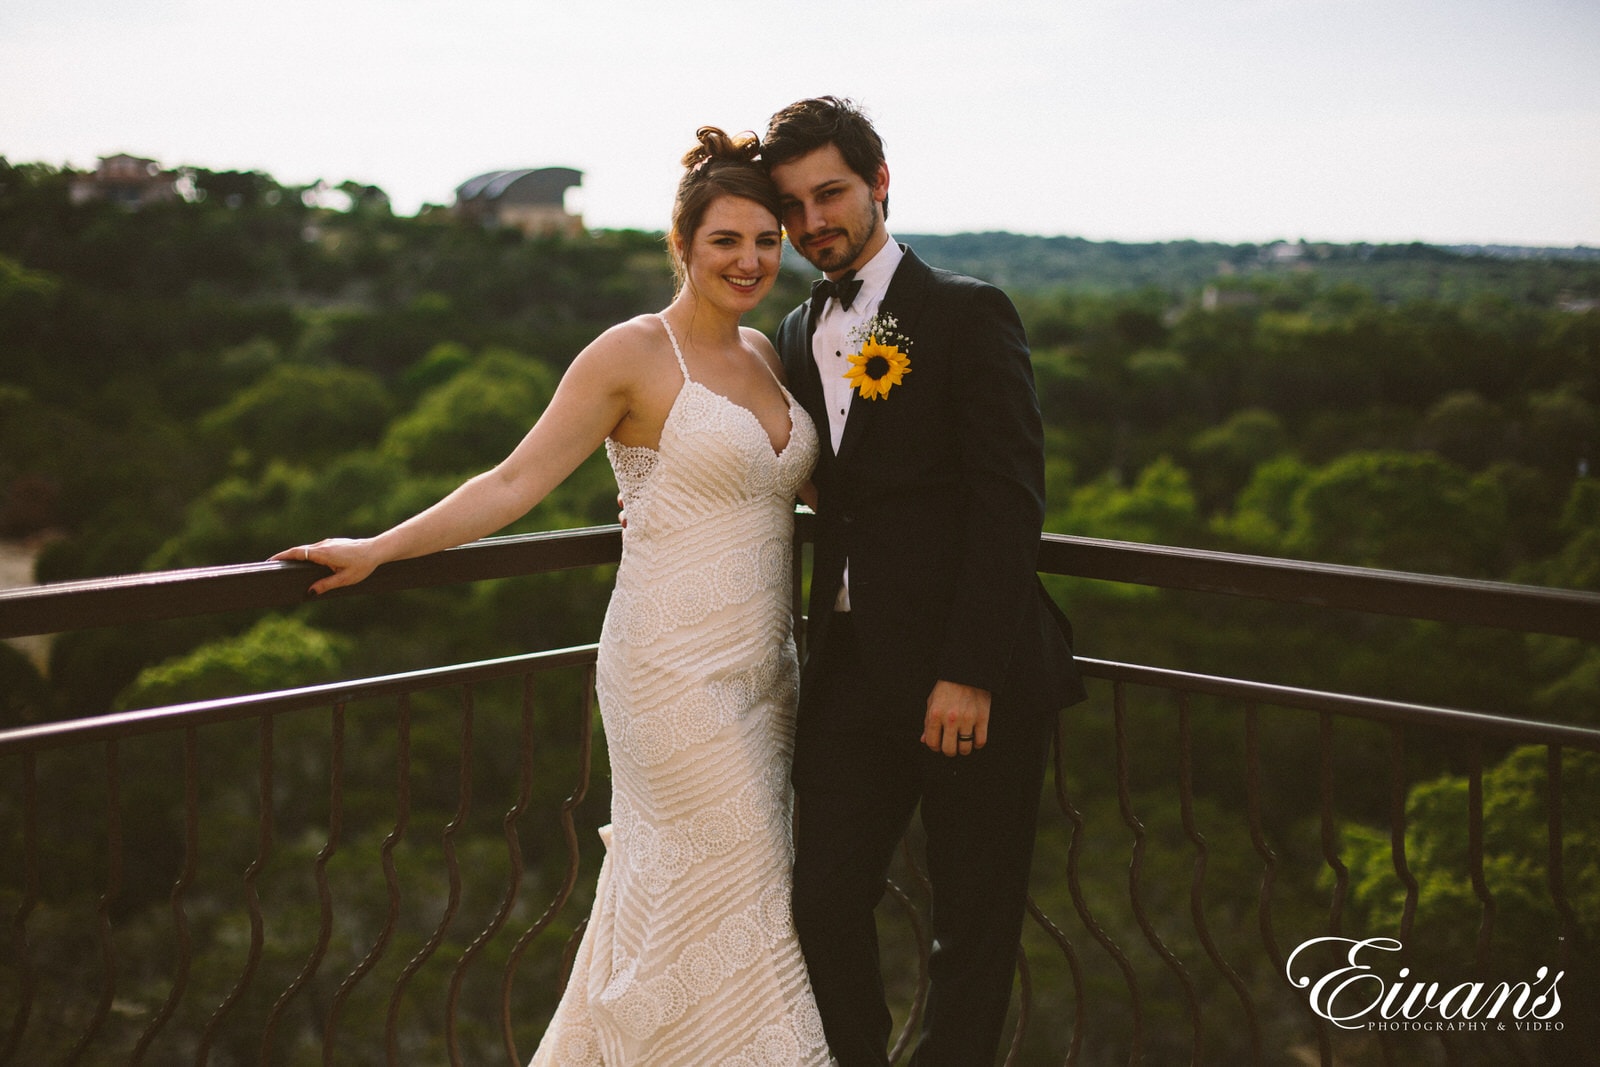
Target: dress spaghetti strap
684,367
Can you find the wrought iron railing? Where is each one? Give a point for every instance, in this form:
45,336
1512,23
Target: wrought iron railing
396,869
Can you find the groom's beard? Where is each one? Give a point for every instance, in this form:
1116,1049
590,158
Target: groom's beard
841,254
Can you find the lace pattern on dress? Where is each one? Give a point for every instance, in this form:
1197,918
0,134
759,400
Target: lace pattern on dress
690,956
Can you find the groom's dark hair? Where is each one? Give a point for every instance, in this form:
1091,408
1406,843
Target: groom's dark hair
807,125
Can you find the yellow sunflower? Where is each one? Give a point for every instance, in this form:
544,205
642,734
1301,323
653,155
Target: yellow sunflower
877,368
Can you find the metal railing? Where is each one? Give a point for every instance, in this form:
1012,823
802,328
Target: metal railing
397,869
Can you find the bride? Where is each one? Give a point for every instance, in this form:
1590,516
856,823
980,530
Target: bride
690,956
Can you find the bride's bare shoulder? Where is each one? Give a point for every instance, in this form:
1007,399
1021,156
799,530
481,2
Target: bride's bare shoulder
639,331
758,343
636,344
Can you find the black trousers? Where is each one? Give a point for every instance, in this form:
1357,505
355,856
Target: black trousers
856,788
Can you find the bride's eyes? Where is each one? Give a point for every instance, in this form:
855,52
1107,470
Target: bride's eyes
764,241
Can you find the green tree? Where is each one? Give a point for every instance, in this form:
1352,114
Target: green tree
274,653
1159,508
1264,509
1407,511
1465,429
475,418
302,414
24,694
1226,456
1562,432
1516,850
248,517
1570,669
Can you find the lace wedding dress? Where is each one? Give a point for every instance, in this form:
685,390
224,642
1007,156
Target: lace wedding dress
690,956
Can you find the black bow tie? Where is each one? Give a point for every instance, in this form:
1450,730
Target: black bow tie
844,290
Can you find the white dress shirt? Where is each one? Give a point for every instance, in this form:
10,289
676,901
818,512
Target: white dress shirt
835,339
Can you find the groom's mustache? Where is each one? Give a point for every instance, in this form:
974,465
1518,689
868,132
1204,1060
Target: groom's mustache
820,235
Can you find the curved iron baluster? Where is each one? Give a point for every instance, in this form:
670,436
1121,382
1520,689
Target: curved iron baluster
1197,911
570,833
324,895
1024,1001
569,951
452,902
1397,836
180,918
108,952
513,854
1136,872
1054,932
1081,906
402,822
30,897
1330,856
1258,836
1397,852
252,898
1557,868
1480,887
919,1000
1330,844
1269,858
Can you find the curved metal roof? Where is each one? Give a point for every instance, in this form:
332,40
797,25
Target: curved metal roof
548,182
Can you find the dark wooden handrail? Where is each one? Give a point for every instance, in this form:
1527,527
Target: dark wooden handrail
1525,608
134,598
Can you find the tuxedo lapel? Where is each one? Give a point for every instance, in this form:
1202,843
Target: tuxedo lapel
805,382
902,302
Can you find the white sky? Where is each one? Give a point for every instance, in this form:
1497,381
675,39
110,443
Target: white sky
1449,121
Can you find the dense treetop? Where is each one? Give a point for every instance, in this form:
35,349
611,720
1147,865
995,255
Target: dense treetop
207,380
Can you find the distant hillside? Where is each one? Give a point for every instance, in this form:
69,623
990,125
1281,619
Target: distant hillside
1579,252
1545,277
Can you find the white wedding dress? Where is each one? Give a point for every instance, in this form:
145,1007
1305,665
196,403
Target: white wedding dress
690,956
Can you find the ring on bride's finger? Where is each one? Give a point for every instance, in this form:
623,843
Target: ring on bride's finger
307,551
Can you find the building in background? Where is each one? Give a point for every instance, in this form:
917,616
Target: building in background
127,180
533,201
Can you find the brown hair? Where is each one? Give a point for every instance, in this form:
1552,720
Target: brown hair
719,165
807,125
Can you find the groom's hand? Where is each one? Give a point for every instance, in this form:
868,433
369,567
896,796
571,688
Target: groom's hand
957,722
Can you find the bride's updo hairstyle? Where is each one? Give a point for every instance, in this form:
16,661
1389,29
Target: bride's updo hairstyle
719,165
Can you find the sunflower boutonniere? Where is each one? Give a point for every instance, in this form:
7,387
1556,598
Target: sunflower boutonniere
882,358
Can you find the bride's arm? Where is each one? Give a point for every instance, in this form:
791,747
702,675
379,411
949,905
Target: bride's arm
593,397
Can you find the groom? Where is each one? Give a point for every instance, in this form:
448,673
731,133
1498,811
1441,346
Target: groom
936,663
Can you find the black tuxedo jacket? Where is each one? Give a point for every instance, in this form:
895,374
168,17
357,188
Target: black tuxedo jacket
936,499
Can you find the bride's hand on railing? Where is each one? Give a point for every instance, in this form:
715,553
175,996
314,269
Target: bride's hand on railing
350,560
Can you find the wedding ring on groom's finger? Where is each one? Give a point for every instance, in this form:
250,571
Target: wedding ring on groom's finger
307,551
